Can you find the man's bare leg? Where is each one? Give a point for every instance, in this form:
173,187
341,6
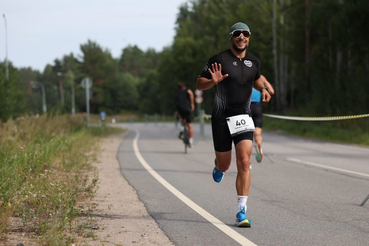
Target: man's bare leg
223,160
243,152
257,135
243,180
222,163
190,131
258,140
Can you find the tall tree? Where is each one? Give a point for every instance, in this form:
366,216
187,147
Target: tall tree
99,65
12,92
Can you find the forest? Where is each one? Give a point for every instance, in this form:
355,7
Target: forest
314,53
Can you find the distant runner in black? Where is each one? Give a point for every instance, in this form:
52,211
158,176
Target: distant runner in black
185,107
233,73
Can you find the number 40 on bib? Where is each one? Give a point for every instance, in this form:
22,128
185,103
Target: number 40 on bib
240,123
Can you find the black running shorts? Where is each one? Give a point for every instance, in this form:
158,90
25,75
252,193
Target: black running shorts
186,115
222,138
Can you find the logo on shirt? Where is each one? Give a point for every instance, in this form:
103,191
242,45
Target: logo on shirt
206,68
235,63
248,63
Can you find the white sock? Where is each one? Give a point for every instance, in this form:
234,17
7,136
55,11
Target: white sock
191,140
242,200
182,128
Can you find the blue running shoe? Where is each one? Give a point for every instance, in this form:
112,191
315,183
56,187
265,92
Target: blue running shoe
242,220
217,175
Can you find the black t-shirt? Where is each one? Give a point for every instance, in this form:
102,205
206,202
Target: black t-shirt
183,101
233,94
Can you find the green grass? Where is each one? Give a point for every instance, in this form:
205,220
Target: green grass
45,169
346,131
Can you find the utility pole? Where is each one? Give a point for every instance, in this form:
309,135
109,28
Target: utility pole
87,84
36,84
6,49
71,77
307,52
275,53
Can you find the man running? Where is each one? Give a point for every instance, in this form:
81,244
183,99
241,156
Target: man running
257,117
233,73
185,107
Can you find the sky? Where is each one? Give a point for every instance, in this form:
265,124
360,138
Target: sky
40,31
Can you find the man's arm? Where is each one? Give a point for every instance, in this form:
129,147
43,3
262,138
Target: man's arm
203,83
216,77
265,95
267,85
191,99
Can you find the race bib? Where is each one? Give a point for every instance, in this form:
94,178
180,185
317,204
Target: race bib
240,123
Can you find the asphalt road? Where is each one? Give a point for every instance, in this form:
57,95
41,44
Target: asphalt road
303,193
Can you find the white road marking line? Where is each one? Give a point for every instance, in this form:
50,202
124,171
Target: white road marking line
328,167
219,224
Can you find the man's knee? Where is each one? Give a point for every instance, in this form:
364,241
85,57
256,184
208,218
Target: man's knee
243,164
223,165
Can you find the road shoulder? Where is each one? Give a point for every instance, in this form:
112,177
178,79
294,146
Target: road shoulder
120,218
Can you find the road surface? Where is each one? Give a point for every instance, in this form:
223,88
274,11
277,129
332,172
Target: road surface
303,193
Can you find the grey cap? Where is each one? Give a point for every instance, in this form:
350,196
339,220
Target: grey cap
239,26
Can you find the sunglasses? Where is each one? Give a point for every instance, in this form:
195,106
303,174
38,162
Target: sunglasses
237,34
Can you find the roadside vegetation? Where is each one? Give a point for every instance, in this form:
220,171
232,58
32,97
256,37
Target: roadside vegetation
345,131
45,171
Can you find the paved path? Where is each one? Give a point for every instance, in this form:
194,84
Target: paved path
303,193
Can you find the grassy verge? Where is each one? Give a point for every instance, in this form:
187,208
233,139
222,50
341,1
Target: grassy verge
43,165
349,131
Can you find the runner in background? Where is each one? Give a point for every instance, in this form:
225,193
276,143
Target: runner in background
257,116
185,106
102,115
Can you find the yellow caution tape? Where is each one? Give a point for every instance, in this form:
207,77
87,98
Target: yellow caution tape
206,116
348,117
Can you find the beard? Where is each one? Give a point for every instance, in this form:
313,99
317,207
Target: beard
238,49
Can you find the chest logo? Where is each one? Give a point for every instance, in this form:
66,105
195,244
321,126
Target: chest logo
248,63
235,63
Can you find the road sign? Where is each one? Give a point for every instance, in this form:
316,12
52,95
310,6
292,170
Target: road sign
89,94
198,99
86,81
198,93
